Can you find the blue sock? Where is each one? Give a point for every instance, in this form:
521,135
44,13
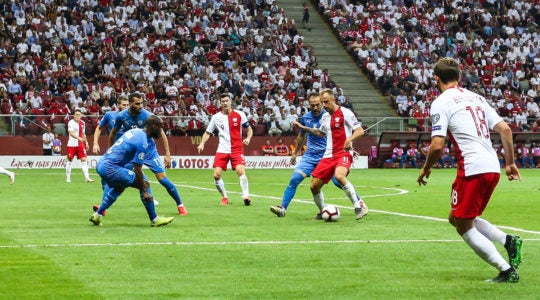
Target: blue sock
109,197
296,179
171,189
338,185
150,207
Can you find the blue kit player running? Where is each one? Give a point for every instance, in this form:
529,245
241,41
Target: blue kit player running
315,147
135,117
121,167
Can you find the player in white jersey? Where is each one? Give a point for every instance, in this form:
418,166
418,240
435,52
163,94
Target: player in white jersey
229,124
466,119
77,145
341,129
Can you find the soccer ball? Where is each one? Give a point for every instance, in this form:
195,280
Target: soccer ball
330,213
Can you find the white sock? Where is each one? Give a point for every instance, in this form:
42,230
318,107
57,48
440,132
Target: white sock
484,248
319,200
84,167
351,194
244,184
220,185
493,233
4,171
68,170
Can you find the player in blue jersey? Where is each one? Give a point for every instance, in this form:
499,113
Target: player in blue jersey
135,117
315,147
108,121
121,167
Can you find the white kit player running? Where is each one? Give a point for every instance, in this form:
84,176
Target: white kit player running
77,145
229,123
467,119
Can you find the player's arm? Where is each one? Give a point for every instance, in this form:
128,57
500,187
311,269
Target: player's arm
249,134
300,139
435,152
112,136
165,143
507,142
140,183
204,139
97,133
314,131
357,133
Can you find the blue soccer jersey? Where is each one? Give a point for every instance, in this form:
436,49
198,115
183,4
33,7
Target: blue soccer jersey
125,121
315,145
132,147
108,120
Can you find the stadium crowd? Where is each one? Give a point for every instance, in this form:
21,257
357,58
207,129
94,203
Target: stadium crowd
56,56
397,43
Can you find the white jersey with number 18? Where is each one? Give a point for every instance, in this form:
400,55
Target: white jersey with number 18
467,119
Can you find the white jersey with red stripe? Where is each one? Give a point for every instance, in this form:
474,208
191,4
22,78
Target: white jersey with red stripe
78,128
467,118
338,127
230,130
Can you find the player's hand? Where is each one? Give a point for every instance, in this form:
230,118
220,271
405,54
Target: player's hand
96,149
246,141
347,146
423,174
167,161
200,148
296,124
512,172
293,159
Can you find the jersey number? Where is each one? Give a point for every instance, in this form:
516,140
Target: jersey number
479,117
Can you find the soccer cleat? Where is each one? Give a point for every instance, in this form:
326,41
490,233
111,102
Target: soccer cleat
96,207
182,210
278,211
361,211
162,221
224,201
12,178
247,202
90,180
508,276
95,219
318,216
513,247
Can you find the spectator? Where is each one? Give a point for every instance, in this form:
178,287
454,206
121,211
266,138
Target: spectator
272,127
280,149
267,148
48,138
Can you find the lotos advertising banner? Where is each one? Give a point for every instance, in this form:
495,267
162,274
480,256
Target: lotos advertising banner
178,162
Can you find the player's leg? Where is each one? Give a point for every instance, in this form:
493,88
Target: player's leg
244,183
469,199
512,243
10,174
172,190
220,164
84,167
296,178
71,151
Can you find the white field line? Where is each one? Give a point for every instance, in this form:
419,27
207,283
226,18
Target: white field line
396,193
217,243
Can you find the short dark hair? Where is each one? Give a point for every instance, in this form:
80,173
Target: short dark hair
134,95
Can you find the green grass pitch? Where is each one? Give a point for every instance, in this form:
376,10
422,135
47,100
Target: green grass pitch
404,248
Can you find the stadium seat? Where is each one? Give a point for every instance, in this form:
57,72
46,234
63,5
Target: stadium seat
259,130
60,128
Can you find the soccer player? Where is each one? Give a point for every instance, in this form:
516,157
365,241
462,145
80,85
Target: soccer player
229,123
121,167
10,174
77,145
108,121
467,118
135,117
341,129
316,146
